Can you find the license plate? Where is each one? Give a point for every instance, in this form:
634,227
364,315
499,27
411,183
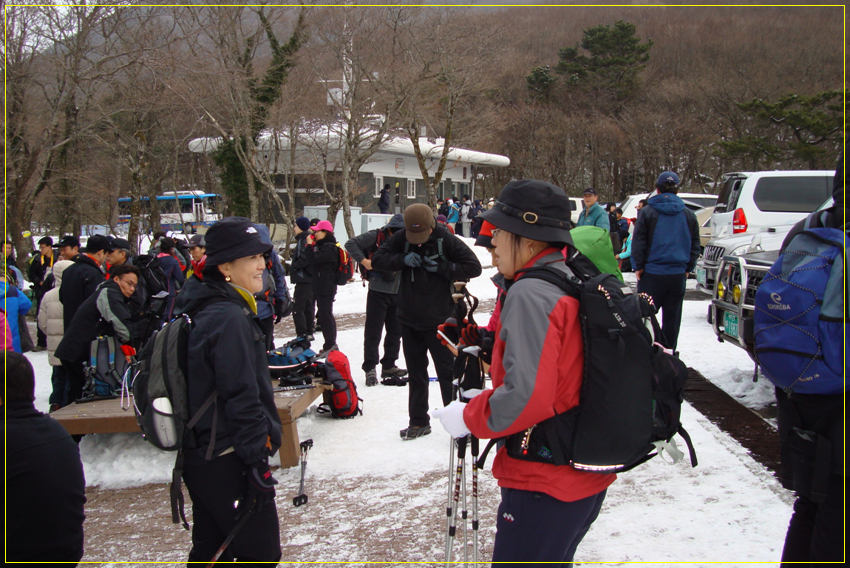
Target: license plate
701,275
730,324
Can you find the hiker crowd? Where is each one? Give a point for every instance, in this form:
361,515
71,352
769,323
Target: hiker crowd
232,284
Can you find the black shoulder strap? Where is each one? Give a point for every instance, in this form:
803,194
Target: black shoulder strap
556,277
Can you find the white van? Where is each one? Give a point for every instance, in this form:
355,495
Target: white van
749,201
693,201
576,205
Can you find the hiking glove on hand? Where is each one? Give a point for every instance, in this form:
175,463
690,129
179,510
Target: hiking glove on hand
449,329
451,417
470,336
282,308
260,485
413,260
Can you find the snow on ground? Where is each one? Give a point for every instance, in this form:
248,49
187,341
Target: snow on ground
728,509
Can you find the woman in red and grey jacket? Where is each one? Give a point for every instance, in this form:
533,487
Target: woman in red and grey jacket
537,366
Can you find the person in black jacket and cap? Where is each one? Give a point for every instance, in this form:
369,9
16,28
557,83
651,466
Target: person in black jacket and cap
381,303
228,459
430,260
82,278
45,484
301,275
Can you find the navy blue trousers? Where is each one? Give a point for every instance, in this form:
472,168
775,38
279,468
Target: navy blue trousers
668,294
535,527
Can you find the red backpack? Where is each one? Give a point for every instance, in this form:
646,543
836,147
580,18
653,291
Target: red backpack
342,401
345,269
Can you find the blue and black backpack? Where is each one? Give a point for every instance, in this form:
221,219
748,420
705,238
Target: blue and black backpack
800,312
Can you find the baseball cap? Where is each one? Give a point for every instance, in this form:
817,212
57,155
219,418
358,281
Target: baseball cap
667,179
68,241
323,226
590,191
97,243
119,243
418,220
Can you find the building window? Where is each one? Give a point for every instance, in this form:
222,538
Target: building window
411,189
379,183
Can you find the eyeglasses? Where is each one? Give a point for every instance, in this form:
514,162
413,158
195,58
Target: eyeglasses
495,233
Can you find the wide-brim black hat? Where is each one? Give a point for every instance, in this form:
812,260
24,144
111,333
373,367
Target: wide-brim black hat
532,209
232,238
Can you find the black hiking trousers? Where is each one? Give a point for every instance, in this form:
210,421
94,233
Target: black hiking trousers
668,294
381,310
304,309
214,487
417,343
325,318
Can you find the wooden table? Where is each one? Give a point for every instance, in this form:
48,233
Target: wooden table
107,417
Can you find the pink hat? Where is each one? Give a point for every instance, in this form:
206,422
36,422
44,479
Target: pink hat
323,226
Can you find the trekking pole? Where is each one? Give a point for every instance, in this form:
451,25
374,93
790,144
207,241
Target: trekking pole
236,528
301,498
461,451
449,508
464,514
474,449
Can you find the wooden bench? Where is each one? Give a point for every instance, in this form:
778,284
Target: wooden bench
107,417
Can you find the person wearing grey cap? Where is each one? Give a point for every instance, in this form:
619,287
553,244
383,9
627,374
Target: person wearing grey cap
381,303
430,260
227,360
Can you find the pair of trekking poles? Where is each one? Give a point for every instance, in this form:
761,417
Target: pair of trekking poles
467,375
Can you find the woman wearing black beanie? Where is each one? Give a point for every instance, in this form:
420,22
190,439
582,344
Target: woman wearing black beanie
227,461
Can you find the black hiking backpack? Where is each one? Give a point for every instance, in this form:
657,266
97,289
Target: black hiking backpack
161,399
632,389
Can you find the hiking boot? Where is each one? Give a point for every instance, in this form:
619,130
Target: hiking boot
309,337
393,372
413,432
395,381
39,348
371,378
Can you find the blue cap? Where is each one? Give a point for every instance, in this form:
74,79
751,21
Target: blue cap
667,179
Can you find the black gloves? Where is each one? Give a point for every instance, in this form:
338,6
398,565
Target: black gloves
260,485
412,260
282,308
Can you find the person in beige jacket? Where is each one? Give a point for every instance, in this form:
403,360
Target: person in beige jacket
50,321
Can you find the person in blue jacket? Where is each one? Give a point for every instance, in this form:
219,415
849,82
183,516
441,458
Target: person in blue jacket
665,248
593,213
17,304
454,214
273,302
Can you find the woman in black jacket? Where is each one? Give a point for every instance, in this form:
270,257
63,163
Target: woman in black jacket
227,462
325,264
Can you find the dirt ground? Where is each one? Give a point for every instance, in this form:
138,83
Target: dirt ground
387,520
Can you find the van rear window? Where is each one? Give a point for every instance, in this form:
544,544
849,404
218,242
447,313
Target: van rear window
799,194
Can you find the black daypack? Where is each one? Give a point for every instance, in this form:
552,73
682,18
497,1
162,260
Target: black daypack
161,400
632,389
152,282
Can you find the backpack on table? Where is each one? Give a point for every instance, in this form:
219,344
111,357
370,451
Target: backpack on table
632,388
800,313
342,401
105,370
